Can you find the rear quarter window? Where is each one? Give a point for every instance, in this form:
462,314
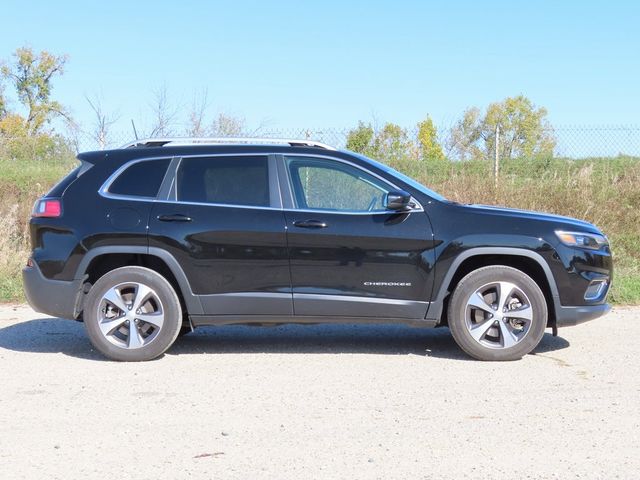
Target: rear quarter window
141,179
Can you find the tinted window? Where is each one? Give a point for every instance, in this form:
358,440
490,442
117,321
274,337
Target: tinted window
224,180
330,185
141,179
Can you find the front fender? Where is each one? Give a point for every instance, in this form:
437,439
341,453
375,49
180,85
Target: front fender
453,256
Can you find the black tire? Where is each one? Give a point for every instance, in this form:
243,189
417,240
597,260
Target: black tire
151,341
501,337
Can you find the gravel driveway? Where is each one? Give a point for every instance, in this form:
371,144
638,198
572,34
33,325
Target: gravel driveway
309,402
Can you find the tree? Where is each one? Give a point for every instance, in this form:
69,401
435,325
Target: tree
389,143
524,129
226,125
164,113
102,122
3,103
428,144
465,136
361,139
32,75
196,125
392,142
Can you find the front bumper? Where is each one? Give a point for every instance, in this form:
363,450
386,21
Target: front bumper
570,316
52,297
583,279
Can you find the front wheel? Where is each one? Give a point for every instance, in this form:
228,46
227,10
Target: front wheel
132,314
497,313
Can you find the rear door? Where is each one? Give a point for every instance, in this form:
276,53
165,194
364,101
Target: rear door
349,255
222,220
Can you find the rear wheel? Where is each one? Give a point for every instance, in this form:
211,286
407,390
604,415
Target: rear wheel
497,313
132,314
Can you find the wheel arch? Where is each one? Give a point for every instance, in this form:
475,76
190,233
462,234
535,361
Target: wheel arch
527,261
99,260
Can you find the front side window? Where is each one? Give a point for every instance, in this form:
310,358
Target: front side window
141,179
242,180
323,184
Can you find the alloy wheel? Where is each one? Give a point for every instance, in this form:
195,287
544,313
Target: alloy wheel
498,315
130,315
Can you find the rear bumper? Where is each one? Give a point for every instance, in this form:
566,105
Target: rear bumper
569,316
52,297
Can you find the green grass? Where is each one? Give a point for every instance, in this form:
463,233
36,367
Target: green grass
27,171
604,191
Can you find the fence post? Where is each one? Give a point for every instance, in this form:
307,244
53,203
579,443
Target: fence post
496,160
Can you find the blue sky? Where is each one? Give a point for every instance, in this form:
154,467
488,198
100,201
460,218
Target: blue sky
331,63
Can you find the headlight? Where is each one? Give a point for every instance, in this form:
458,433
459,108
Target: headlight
591,241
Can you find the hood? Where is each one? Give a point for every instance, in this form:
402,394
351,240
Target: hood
568,222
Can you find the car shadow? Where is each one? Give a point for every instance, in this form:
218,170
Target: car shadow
52,335
49,335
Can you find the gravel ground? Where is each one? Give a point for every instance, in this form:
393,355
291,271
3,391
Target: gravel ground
300,402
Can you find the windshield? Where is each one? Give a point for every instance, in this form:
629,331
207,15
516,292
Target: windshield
408,180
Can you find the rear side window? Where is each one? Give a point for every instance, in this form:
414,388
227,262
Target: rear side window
224,180
142,179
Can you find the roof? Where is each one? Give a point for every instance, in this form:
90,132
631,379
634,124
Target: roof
184,141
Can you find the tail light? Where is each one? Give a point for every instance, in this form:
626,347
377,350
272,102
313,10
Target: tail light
47,207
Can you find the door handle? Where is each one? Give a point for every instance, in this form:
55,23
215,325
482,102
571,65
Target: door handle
310,224
174,218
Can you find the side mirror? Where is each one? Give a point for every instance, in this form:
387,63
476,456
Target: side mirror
397,200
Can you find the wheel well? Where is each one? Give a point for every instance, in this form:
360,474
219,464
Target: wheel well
102,264
525,264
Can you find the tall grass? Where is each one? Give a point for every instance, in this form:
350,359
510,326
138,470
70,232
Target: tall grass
28,169
604,191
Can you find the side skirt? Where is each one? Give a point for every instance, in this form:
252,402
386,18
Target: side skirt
266,320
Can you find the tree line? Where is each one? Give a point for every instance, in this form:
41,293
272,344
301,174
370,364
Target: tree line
518,126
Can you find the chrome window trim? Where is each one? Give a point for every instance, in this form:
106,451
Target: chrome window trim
418,208
103,191
229,205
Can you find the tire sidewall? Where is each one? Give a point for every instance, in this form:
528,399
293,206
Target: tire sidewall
468,286
170,303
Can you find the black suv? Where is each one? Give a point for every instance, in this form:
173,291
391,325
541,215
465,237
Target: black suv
164,235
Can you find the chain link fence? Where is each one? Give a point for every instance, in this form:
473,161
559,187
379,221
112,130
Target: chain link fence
572,142
575,141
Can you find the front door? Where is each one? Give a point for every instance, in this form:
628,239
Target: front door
224,224
349,255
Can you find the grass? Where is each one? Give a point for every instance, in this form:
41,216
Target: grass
604,191
22,181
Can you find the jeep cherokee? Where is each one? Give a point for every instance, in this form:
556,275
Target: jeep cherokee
161,236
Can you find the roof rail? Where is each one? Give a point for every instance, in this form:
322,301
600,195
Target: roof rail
182,141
